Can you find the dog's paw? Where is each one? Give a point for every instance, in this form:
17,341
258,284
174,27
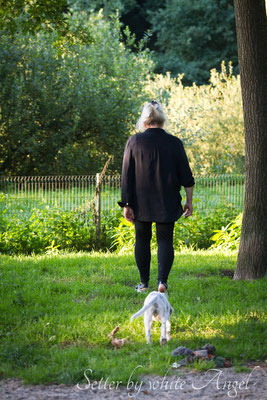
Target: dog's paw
163,341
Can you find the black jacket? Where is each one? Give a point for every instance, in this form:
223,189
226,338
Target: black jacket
154,168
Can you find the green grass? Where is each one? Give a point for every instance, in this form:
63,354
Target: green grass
56,312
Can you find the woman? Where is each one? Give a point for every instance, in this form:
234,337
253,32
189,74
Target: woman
154,168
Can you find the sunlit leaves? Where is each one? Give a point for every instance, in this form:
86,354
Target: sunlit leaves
208,118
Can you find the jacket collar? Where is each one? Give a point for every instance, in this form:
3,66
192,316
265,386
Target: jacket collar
154,130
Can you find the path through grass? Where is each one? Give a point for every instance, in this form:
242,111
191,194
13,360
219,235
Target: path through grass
56,313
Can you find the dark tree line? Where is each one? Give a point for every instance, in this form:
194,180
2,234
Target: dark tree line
188,37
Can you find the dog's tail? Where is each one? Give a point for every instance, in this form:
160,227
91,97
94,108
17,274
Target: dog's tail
142,311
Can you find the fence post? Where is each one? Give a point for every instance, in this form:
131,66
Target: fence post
98,206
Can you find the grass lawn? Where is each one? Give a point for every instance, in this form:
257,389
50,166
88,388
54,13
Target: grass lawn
57,310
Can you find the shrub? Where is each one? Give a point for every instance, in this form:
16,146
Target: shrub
193,232
228,237
48,230
51,229
207,118
67,103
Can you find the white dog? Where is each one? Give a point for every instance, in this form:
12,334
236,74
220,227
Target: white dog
156,307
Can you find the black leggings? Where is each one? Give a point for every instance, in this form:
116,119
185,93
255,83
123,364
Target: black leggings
143,234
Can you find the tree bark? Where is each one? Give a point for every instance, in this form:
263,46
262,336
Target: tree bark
251,27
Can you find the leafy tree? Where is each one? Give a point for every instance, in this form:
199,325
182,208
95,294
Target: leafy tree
67,105
133,13
30,16
188,37
194,36
108,6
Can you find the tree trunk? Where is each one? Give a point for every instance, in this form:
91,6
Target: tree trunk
251,27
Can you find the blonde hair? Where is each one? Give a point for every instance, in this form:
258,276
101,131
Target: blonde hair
152,114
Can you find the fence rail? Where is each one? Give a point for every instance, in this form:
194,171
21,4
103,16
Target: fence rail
78,192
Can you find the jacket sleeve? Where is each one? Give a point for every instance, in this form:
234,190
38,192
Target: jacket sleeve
186,178
127,177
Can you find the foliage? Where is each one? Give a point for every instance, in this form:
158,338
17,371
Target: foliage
67,103
108,6
228,237
3,211
124,236
133,13
57,310
194,36
49,230
191,232
208,118
196,230
30,16
188,37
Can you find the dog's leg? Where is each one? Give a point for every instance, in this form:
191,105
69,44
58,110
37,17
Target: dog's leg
147,322
163,339
151,324
168,330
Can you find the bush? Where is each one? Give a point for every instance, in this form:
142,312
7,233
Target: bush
208,119
49,230
228,238
67,103
195,231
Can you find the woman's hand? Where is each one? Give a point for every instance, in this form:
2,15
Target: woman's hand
128,214
188,209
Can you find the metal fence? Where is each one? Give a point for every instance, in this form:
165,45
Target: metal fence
81,193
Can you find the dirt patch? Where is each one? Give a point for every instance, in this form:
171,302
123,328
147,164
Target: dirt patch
214,384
